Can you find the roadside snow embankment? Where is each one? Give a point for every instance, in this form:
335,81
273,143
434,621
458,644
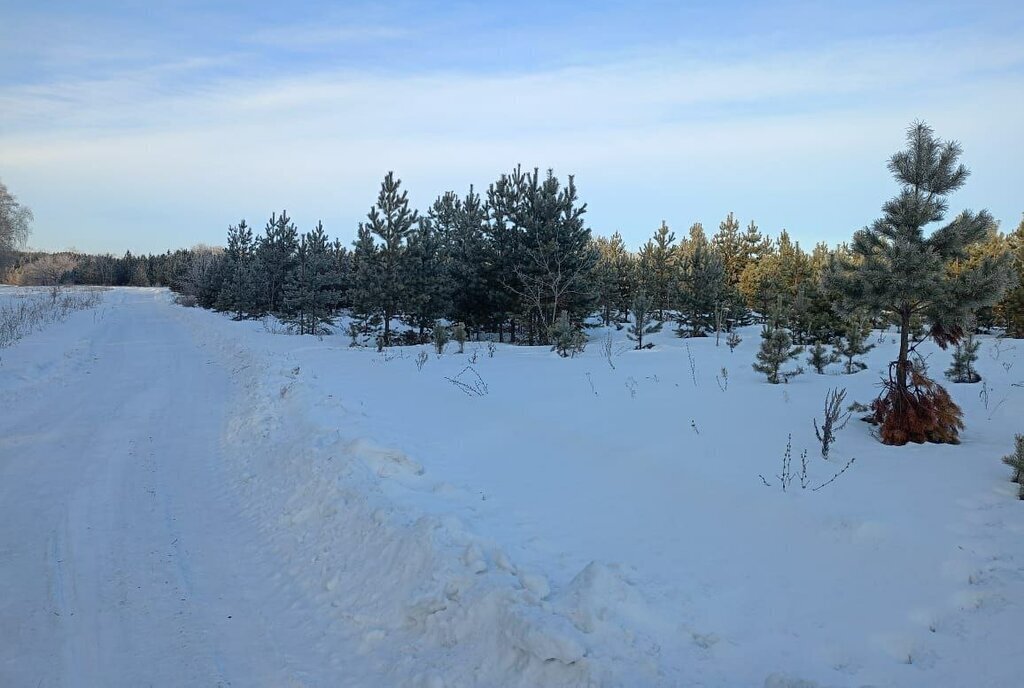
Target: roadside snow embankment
424,599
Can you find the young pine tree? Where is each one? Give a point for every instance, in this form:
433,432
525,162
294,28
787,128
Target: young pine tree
964,355
703,285
312,286
565,337
276,253
439,336
657,263
1016,462
897,268
821,357
733,340
776,350
644,322
391,220
853,342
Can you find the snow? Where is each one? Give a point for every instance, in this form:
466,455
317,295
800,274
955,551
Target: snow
185,499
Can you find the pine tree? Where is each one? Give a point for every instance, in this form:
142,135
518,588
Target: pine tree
900,270
776,349
425,279
731,247
460,336
657,264
1016,462
312,286
613,275
243,290
644,322
276,253
565,337
733,340
703,286
965,353
461,224
557,257
1011,308
853,342
391,221
821,357
504,251
439,336
365,286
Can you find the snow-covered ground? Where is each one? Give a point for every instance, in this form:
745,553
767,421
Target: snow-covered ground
188,500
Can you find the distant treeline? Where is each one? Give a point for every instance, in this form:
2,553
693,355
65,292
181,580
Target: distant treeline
515,261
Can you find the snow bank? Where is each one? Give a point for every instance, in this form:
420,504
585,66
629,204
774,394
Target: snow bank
422,596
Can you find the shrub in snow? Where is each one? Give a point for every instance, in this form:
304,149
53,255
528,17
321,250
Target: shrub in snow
776,349
439,337
1016,462
835,420
459,335
567,339
964,356
643,323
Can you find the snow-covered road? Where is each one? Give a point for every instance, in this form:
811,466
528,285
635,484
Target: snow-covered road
124,560
186,500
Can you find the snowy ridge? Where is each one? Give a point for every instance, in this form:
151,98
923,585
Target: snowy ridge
420,596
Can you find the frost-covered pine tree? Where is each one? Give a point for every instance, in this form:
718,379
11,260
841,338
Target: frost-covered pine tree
896,268
776,350
965,353
821,357
853,342
643,320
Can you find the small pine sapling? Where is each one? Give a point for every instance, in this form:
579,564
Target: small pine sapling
644,322
567,339
460,336
853,343
821,358
1016,462
965,353
440,337
776,349
733,340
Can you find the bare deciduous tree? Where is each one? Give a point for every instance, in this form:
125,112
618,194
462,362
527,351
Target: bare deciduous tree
15,219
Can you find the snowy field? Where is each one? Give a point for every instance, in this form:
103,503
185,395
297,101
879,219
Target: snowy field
191,501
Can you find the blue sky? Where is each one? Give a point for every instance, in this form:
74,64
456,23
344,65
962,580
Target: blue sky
148,126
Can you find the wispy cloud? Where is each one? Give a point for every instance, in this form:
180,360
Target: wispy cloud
796,136
316,36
